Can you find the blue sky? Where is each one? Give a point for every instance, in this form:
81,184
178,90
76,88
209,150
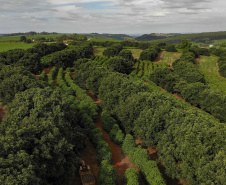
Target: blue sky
112,16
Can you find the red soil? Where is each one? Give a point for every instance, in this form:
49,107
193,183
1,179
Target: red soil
163,89
159,58
120,161
55,82
89,156
47,70
92,95
72,74
153,153
178,97
197,61
217,64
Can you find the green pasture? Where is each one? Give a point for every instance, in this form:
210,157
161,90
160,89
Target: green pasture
5,46
170,57
136,53
215,43
208,63
214,80
17,38
104,40
98,50
208,67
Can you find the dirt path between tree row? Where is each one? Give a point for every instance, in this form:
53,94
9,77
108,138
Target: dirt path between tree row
159,58
197,61
153,153
90,158
120,161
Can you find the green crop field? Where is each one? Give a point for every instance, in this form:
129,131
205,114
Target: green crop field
170,57
214,80
5,46
208,63
208,67
17,38
98,50
13,42
136,53
103,40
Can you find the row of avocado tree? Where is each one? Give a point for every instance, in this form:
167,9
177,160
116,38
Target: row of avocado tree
181,134
42,134
186,80
89,112
137,155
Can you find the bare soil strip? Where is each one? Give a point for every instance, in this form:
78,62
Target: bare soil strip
197,61
158,59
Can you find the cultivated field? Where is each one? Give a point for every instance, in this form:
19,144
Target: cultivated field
5,46
136,52
169,57
17,38
208,63
98,50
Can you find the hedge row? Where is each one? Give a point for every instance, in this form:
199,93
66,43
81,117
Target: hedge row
86,103
140,159
43,76
109,124
189,83
66,57
104,156
52,76
62,84
131,177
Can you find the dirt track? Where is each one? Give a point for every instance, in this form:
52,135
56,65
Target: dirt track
158,59
120,161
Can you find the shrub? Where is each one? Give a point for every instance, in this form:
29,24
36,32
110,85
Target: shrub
103,151
128,144
152,173
138,156
107,174
43,76
107,121
131,177
119,137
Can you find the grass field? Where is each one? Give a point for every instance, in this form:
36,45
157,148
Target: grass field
170,57
103,40
13,42
5,46
136,53
98,50
214,80
207,66
208,63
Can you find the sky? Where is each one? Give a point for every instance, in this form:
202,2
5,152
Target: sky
113,16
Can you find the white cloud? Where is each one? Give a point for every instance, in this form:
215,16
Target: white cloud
143,16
